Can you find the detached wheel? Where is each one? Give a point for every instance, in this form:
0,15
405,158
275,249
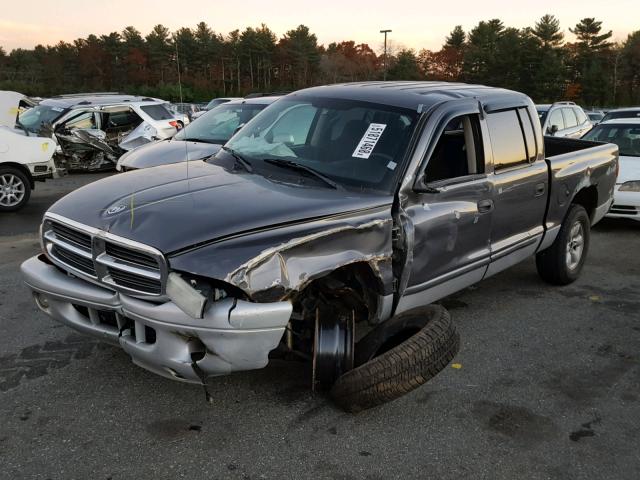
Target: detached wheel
15,189
397,357
562,262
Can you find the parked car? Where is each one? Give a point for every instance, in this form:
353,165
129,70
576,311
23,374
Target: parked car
213,104
595,117
563,119
338,209
631,112
624,132
24,159
92,130
199,140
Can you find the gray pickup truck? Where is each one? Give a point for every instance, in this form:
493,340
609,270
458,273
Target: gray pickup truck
323,230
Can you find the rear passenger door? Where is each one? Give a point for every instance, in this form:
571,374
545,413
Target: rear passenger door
519,183
571,128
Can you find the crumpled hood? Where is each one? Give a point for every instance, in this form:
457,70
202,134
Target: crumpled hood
177,206
629,169
166,152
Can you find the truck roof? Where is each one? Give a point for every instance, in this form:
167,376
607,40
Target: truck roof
408,94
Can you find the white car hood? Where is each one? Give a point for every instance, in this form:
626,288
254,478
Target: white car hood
629,169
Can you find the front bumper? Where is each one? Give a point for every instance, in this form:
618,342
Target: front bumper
625,205
234,335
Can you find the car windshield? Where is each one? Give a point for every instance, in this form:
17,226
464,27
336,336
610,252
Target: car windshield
622,114
353,143
627,137
37,117
218,125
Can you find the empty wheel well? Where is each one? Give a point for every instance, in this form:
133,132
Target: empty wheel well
588,198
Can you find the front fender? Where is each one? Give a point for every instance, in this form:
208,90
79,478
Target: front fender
272,264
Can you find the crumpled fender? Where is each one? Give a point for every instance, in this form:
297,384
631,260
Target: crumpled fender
273,264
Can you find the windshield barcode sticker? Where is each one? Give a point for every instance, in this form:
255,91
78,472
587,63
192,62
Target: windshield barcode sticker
369,140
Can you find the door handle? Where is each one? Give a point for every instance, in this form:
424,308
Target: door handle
540,189
485,206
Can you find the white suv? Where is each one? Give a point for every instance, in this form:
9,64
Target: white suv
563,119
92,130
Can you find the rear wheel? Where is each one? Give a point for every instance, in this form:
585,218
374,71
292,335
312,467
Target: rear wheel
15,189
562,262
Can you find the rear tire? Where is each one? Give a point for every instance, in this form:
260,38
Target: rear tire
15,189
562,262
392,372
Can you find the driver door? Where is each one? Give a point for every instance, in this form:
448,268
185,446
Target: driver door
451,217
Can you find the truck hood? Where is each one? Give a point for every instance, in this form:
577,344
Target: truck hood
176,206
166,152
629,169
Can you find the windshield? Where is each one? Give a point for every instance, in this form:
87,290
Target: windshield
622,114
219,124
627,137
354,143
37,117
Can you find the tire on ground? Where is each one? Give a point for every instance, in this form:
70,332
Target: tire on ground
552,263
27,188
389,370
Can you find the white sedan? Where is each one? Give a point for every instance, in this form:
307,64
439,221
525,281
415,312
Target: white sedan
624,132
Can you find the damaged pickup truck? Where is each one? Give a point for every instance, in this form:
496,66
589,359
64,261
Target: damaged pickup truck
93,130
323,230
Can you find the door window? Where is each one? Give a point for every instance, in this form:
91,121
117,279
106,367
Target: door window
458,152
83,121
570,119
556,119
582,117
507,139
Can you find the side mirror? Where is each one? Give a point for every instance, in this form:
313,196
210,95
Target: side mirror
553,129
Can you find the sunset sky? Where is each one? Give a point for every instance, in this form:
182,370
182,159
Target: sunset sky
415,24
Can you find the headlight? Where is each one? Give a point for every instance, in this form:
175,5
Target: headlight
633,186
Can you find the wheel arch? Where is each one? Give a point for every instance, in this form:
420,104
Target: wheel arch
21,168
587,197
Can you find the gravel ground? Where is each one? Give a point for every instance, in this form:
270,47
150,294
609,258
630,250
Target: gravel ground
549,387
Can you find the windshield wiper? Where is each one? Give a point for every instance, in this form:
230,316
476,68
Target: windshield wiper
240,159
200,140
281,162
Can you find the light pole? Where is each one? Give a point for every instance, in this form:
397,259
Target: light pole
385,52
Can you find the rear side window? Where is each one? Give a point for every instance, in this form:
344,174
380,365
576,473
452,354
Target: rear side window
157,112
529,135
556,119
582,117
570,119
507,139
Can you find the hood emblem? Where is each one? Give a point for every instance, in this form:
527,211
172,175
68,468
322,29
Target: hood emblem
115,209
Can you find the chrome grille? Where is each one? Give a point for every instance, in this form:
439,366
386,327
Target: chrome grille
100,256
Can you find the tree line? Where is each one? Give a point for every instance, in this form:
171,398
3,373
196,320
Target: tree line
198,63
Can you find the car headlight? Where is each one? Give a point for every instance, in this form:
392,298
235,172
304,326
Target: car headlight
633,186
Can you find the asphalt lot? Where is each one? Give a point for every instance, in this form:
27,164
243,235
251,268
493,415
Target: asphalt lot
549,388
